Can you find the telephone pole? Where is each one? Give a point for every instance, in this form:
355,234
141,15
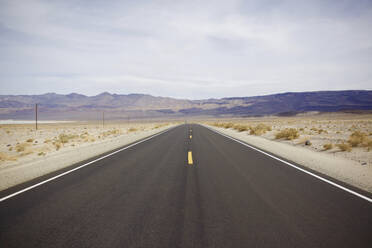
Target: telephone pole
36,116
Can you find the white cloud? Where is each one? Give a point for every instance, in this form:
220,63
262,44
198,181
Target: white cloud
192,49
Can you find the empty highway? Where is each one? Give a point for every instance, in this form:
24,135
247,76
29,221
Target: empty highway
187,187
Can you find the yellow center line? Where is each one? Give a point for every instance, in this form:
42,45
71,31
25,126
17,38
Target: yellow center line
189,157
190,136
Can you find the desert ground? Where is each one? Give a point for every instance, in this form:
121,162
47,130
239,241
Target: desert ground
342,135
20,143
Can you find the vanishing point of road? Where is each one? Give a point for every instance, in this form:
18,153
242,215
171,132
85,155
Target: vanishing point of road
187,187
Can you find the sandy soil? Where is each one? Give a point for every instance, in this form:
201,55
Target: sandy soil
353,167
26,153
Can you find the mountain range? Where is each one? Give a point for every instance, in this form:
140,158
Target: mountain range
80,107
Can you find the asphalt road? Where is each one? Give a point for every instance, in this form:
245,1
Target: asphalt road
149,196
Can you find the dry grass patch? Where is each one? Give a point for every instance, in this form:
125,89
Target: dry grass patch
259,129
111,132
28,152
288,134
65,138
21,147
228,125
358,138
57,145
320,131
241,128
6,157
369,145
328,146
217,124
160,125
132,129
344,147
223,124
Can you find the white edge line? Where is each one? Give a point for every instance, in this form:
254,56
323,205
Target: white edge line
294,166
81,166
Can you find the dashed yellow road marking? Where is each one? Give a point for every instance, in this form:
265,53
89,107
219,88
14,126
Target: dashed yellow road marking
190,136
189,158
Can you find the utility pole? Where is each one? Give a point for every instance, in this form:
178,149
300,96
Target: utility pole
36,116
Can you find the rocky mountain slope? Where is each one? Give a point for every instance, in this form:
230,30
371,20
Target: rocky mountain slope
115,106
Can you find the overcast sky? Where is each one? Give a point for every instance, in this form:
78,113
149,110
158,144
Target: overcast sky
184,49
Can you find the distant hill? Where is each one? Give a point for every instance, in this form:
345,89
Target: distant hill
81,107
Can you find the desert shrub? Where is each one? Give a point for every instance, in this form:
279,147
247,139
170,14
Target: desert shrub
320,131
30,140
41,154
110,132
132,129
21,147
224,124
57,144
358,138
161,125
344,147
327,146
26,152
288,134
47,141
228,125
84,135
217,124
259,129
369,145
64,138
6,157
241,128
